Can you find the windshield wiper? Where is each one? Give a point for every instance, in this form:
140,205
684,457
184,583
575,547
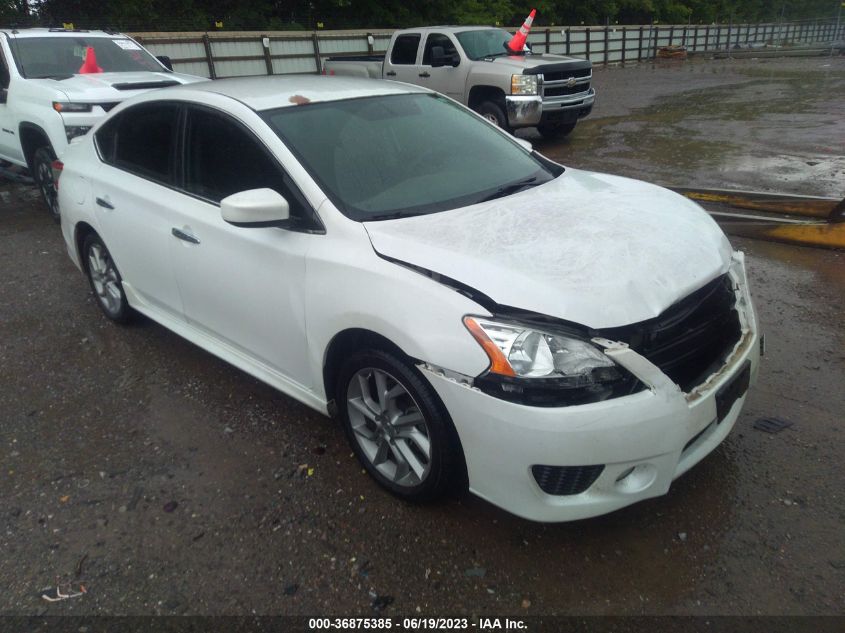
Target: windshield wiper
514,187
56,77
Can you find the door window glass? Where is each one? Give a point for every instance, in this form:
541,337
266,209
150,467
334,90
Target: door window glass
142,140
437,39
405,50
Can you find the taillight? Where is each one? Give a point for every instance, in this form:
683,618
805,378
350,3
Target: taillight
58,166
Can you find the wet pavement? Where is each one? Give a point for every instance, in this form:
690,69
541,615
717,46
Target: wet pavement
167,482
764,125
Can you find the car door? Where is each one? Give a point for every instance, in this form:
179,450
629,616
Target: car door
447,80
242,286
401,64
133,190
10,145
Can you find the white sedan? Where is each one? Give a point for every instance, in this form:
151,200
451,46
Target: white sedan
565,343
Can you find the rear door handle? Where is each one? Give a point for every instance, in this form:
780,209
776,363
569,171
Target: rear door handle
390,74
105,204
425,74
184,236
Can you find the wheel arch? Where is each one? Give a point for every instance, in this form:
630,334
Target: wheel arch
80,233
33,136
347,342
480,94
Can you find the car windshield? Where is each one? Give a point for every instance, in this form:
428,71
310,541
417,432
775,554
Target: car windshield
40,57
484,43
401,155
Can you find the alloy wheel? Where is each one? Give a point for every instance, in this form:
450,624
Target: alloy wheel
104,279
389,427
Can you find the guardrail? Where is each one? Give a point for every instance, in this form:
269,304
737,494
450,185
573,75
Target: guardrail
241,53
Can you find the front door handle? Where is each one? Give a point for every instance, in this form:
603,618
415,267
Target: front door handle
105,204
425,74
184,236
390,73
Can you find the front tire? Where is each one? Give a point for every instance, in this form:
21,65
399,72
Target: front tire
42,174
494,113
397,426
555,131
105,280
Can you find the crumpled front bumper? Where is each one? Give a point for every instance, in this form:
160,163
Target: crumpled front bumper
644,441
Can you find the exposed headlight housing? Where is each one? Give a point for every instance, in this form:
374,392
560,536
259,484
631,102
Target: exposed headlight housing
524,85
68,106
544,368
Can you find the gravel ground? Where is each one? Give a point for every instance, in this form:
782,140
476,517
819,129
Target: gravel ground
167,482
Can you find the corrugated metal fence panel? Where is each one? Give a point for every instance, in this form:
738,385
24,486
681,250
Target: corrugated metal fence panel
241,53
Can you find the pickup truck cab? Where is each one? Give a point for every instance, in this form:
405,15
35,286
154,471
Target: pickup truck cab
471,65
55,84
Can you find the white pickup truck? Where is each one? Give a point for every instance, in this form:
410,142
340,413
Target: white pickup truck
472,65
57,83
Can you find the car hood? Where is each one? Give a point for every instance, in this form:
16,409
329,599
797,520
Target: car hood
594,249
537,63
96,87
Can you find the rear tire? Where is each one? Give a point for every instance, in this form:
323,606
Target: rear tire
105,280
555,131
494,113
398,427
42,174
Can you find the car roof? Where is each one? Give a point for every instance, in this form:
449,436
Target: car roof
266,93
45,32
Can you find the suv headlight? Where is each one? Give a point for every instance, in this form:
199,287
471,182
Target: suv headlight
544,368
524,85
67,106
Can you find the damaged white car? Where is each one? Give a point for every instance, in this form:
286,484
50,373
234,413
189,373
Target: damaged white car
564,343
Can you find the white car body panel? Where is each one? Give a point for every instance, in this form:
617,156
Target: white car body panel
583,247
594,249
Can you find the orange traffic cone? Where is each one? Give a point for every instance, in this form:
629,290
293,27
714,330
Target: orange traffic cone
90,63
517,42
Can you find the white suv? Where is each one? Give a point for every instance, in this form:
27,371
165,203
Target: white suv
56,83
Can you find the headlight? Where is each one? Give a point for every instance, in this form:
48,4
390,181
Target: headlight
72,131
543,368
66,106
524,84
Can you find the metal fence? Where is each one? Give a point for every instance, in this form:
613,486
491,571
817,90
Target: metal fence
232,54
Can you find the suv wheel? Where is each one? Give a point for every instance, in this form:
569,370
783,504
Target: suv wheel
397,426
553,131
42,172
494,113
105,280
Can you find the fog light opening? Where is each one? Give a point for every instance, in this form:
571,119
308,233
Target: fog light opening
636,478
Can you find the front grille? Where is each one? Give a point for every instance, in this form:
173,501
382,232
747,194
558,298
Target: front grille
557,91
691,339
566,74
565,480
108,105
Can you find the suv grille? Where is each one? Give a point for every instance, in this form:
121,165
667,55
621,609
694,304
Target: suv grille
557,91
692,338
566,74
565,480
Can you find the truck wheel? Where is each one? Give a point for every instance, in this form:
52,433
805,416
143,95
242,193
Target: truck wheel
42,174
494,113
398,427
553,131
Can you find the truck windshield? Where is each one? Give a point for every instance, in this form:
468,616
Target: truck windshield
395,156
484,43
41,57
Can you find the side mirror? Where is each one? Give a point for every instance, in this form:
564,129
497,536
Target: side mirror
255,208
438,57
526,144
165,61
